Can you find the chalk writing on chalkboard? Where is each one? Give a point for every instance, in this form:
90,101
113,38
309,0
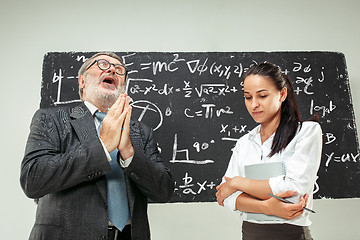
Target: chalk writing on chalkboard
194,102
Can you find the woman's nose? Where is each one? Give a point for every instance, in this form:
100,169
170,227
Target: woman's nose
254,103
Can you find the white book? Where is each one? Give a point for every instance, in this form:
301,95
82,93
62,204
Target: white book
264,171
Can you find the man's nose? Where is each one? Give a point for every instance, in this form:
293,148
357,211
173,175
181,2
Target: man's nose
112,69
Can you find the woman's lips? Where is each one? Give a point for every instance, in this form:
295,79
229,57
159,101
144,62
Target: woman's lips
257,113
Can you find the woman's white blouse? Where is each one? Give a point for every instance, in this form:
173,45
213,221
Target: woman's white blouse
302,160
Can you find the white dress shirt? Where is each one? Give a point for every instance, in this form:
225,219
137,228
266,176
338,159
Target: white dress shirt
302,160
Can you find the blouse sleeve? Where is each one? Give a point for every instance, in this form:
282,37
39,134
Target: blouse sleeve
234,169
303,164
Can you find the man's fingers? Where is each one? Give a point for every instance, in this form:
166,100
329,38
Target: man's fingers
126,125
123,109
118,107
116,104
127,103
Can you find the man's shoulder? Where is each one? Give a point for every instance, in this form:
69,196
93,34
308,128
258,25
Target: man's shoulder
66,109
61,114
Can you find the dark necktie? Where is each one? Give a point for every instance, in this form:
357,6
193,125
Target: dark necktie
116,187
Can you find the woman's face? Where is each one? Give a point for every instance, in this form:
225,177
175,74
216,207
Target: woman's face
262,99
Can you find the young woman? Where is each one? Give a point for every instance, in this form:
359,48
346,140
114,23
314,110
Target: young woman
281,136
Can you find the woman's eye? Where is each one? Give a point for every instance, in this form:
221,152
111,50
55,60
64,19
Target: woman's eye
264,96
247,97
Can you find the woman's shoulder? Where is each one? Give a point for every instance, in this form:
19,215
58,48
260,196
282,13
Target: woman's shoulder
250,135
310,127
311,124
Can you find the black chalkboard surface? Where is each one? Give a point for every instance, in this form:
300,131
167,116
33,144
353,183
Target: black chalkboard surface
194,103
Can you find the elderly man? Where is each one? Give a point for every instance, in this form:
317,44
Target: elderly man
90,168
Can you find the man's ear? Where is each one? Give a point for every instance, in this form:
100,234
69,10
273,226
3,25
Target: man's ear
81,81
283,94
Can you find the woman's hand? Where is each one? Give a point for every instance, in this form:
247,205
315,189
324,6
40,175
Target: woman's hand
227,188
273,206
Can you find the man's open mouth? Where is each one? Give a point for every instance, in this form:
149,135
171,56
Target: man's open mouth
109,82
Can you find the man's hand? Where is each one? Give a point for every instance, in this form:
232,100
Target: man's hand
111,129
125,146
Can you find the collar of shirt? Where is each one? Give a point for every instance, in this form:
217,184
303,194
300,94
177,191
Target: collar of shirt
91,107
254,135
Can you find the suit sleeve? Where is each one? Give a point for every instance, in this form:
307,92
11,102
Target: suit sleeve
56,159
147,170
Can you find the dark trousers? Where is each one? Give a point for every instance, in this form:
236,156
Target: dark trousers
255,231
115,234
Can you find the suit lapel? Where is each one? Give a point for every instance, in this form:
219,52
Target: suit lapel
83,124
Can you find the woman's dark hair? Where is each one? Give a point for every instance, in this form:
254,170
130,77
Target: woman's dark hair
290,113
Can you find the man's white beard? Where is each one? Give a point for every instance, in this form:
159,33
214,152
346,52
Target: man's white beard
105,101
100,99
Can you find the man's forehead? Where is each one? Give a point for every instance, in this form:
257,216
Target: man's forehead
106,57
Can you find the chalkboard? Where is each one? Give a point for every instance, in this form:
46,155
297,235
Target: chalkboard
194,102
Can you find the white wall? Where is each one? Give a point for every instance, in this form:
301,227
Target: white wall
29,29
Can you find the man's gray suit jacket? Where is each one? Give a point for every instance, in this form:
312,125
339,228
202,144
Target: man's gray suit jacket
64,169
